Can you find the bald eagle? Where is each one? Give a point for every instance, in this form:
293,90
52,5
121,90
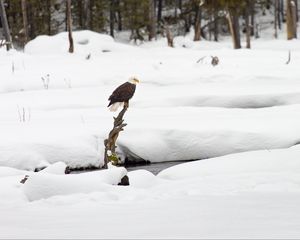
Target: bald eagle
122,94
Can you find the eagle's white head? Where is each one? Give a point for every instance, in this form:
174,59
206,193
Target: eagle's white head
133,80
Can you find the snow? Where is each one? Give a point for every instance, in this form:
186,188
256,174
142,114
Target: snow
85,42
198,112
243,195
44,185
239,120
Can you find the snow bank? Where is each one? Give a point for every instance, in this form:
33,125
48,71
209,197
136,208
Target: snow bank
185,108
143,179
56,168
7,171
254,161
44,185
33,153
85,42
257,171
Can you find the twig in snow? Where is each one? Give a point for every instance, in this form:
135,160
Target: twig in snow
24,179
46,81
22,113
29,114
68,83
289,58
24,118
19,113
201,59
13,67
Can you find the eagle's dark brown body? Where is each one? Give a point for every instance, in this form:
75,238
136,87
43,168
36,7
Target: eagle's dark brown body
123,93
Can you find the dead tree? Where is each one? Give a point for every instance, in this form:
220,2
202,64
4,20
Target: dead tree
110,154
112,18
8,40
152,20
291,19
25,21
69,25
276,19
233,22
168,34
197,24
248,27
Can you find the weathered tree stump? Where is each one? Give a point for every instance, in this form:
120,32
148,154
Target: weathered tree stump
214,60
110,154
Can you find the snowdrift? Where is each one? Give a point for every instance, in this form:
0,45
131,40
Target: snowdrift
44,185
53,103
85,42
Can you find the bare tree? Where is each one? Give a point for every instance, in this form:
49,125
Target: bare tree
276,19
291,20
69,26
110,154
152,19
87,13
216,26
159,10
197,24
5,26
25,21
248,27
112,17
169,35
233,22
119,16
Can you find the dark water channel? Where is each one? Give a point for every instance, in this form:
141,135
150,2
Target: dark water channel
155,168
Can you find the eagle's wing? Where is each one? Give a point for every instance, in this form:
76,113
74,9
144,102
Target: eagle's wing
122,93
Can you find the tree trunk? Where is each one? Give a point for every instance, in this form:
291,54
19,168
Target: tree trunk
110,154
276,18
152,17
159,10
291,19
279,20
197,24
25,21
112,17
49,16
180,5
69,26
297,15
210,27
248,28
281,4
233,22
5,26
87,14
252,18
216,26
294,7
119,14
169,35
175,10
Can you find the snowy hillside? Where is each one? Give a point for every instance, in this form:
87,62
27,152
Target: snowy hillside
54,103
242,116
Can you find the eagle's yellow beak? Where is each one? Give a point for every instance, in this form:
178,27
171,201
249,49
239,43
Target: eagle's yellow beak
136,80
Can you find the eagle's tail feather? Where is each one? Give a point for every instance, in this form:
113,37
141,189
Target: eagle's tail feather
114,107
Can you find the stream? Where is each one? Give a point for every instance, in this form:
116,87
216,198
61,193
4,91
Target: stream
154,168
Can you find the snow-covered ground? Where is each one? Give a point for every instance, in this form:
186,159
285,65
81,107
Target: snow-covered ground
242,116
